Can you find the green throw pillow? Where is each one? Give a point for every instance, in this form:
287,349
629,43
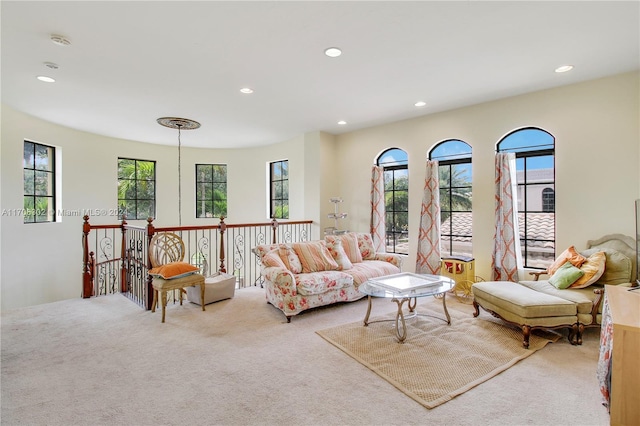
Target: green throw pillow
566,275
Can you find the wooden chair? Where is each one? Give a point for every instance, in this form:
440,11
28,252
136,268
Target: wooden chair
166,247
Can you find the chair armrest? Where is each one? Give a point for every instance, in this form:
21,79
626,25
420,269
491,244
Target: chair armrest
536,274
599,292
280,277
393,258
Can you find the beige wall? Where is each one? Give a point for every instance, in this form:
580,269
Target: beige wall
596,126
597,177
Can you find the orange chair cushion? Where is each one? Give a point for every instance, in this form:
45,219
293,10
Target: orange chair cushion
173,270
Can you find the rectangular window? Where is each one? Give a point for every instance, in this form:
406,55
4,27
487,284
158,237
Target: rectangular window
137,188
211,190
39,183
279,189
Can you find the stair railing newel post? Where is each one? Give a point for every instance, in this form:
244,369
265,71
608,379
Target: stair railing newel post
274,227
124,270
151,230
223,227
87,286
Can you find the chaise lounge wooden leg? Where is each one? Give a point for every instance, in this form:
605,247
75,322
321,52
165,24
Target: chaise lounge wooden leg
580,331
288,318
477,308
526,332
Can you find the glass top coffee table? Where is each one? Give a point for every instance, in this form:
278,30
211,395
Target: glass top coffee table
406,287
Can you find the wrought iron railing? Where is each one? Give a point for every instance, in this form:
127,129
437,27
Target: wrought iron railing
116,258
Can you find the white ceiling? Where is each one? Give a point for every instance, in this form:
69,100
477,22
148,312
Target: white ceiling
132,62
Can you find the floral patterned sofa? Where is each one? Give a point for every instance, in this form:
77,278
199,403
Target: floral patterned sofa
305,275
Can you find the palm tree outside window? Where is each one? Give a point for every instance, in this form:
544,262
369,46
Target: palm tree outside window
535,171
455,176
211,190
137,188
396,194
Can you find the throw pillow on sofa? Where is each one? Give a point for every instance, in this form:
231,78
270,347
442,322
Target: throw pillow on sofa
340,256
617,268
273,259
290,258
593,269
365,244
565,275
569,255
349,244
315,257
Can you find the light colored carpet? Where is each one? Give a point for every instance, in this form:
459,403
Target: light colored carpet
104,361
437,361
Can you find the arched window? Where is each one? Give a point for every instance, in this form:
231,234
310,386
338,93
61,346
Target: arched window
535,172
454,169
396,194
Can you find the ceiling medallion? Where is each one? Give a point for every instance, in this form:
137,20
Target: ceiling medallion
178,123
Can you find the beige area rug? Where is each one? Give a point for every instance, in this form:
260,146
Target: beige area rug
437,361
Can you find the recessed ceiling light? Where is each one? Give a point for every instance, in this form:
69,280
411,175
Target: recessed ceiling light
333,52
342,122
60,40
46,79
246,90
420,103
564,68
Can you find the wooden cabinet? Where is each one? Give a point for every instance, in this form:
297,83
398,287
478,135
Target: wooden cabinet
620,356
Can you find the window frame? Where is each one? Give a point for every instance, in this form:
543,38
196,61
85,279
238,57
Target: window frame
136,200
526,153
213,182
391,247
450,161
28,212
273,199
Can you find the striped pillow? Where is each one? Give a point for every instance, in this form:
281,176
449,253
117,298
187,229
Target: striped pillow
290,258
273,259
315,257
349,244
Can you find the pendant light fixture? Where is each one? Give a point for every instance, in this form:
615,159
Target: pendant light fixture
180,124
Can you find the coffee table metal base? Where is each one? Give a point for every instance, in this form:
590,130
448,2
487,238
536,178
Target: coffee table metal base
401,332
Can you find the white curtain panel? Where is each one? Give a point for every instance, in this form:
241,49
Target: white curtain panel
377,209
507,257
428,259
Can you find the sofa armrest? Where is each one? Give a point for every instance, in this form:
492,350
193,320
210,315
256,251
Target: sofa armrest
393,258
536,274
281,278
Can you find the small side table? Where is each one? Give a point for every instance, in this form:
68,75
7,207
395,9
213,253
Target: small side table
461,269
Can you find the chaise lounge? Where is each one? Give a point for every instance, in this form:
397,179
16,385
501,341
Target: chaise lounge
539,304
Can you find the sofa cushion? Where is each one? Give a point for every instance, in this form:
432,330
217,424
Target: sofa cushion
321,282
339,255
263,249
315,256
366,269
365,244
290,258
593,269
173,270
273,259
617,268
565,275
582,297
349,244
522,301
569,255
